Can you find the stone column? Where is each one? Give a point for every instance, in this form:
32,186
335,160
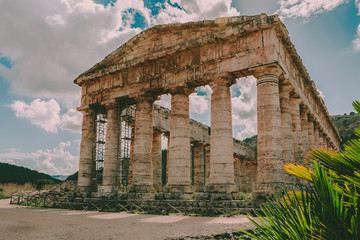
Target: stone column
253,174
325,141
321,138
167,156
304,129
237,173
142,179
317,134
311,131
297,137
87,161
221,140
287,131
111,163
199,167
207,164
248,176
270,175
243,175
131,156
157,161
180,149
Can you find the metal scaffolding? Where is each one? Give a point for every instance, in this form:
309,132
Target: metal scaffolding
100,145
127,119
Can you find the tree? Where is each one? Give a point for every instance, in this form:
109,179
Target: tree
328,208
40,183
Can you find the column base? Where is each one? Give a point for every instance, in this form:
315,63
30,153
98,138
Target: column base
140,189
86,190
169,188
107,189
220,188
267,190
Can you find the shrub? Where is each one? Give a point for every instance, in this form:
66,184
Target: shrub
328,208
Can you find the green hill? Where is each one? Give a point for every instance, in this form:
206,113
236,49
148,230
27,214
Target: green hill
20,175
345,125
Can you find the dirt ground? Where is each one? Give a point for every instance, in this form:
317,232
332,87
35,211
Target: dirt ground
38,223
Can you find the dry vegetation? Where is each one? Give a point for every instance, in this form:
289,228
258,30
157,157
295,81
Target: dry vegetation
10,188
7,189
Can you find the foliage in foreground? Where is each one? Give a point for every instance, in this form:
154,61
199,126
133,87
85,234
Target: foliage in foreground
328,208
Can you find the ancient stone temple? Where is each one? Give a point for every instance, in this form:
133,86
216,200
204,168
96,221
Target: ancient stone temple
122,127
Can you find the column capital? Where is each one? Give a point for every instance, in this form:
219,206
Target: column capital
111,104
311,117
87,111
286,88
295,100
182,90
224,79
304,109
147,97
272,69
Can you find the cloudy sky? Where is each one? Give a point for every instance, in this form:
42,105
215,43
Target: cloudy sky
46,44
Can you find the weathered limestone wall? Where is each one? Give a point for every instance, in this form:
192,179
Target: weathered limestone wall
199,133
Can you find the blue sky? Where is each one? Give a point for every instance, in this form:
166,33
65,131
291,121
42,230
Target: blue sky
45,45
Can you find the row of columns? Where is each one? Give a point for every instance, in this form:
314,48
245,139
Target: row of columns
245,174
286,132
219,170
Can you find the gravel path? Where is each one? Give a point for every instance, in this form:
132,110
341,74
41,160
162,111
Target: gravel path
39,223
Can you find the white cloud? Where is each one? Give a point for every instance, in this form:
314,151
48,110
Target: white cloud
198,104
356,41
244,107
357,4
321,94
56,19
71,121
56,161
50,43
44,114
305,8
164,101
194,10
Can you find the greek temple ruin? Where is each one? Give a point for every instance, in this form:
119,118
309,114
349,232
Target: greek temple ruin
122,128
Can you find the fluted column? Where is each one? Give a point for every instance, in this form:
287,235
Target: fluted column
221,140
248,177
321,139
270,175
311,131
111,163
317,134
287,131
253,174
179,154
237,173
142,178
297,137
87,161
242,174
199,167
304,129
207,164
157,161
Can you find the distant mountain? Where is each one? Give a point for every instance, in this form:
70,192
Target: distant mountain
345,124
73,177
20,175
60,177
